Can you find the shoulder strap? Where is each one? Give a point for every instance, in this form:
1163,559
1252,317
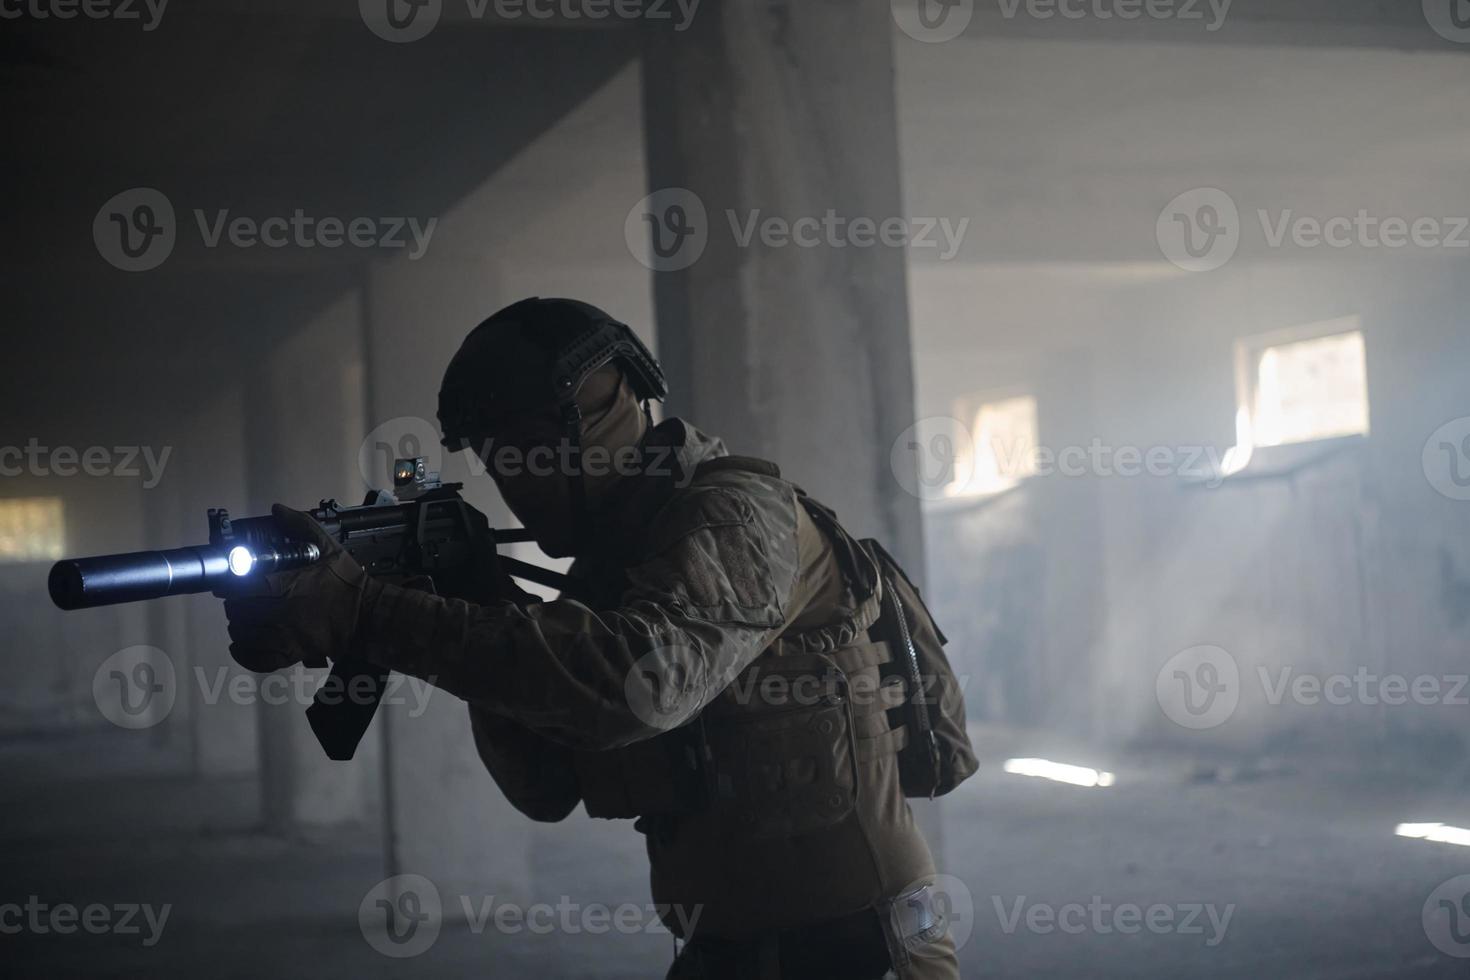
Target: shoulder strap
891,565
859,566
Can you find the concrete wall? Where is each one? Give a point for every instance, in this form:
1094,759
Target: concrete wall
1068,595
303,404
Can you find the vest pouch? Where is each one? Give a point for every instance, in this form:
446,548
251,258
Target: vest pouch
782,756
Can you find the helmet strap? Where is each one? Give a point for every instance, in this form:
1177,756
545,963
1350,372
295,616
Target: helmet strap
571,416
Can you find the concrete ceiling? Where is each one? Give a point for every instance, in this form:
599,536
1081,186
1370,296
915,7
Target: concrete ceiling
1392,24
259,115
1060,147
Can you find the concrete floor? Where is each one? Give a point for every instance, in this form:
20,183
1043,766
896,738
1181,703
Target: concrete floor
1301,853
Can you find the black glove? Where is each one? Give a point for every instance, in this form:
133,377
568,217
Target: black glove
308,615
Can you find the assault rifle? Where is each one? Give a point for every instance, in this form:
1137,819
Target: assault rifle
422,530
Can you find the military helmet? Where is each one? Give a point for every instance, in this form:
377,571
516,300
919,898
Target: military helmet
537,353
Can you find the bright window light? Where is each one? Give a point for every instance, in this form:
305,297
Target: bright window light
1002,449
1059,772
1436,832
1311,389
31,529
1297,386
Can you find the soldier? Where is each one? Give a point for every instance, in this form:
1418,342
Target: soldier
714,671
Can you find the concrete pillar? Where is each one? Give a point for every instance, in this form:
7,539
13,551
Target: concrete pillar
304,424
800,353
225,732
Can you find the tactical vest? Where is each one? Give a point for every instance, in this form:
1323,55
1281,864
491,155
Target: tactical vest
789,746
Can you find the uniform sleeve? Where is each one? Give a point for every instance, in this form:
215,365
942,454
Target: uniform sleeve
718,586
538,776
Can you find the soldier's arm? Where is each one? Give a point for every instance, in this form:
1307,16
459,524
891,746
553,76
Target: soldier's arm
538,776
721,582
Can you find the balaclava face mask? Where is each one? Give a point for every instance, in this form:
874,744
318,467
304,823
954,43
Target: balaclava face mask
541,494
613,426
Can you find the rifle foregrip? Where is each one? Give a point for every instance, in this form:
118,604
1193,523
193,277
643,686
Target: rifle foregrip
344,706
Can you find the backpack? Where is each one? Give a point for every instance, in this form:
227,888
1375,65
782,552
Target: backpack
938,756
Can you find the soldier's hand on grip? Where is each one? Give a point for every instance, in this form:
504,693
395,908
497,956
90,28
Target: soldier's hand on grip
309,615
